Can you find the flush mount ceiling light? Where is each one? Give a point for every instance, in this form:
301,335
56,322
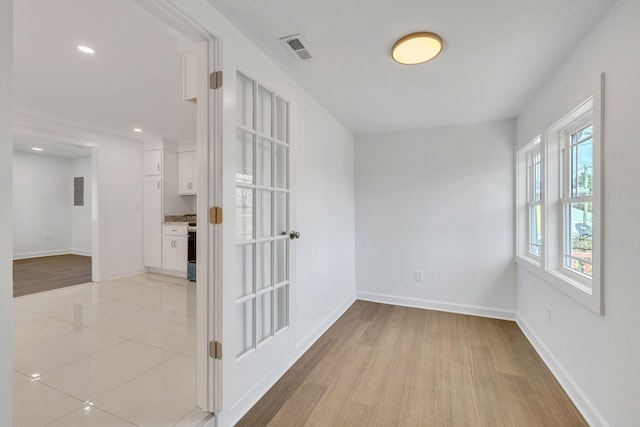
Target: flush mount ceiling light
86,49
137,130
37,149
416,48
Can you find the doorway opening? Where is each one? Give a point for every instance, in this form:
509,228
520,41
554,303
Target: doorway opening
129,344
53,203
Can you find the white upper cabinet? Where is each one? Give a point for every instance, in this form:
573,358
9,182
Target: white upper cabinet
187,173
190,76
153,162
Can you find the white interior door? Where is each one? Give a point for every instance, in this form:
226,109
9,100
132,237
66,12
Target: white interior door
262,285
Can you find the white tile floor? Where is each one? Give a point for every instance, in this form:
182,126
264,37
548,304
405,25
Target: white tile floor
118,353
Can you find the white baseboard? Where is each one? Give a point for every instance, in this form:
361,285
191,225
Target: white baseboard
588,410
82,252
40,254
242,406
495,313
124,273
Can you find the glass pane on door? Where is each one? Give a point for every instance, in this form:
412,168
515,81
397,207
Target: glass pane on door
245,101
280,212
244,324
281,257
281,304
263,166
244,157
244,264
264,214
264,111
264,328
263,265
282,154
282,119
244,213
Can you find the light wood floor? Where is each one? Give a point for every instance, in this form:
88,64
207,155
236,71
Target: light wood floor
382,365
46,273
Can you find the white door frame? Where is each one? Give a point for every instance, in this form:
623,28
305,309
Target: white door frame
209,184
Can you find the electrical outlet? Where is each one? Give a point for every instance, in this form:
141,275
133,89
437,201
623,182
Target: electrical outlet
418,276
548,310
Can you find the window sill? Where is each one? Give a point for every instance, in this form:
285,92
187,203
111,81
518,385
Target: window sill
576,290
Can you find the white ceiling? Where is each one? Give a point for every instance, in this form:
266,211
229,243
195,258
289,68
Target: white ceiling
25,143
134,80
497,53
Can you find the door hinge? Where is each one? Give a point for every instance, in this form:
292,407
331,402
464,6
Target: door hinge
215,350
215,80
215,215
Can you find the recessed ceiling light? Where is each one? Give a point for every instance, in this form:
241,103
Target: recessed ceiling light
416,48
86,49
137,130
37,149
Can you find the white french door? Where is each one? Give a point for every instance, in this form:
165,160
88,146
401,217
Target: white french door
262,215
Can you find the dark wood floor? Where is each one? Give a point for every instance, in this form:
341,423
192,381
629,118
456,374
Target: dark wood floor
382,365
46,273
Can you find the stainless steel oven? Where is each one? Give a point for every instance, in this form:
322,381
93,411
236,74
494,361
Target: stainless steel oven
191,252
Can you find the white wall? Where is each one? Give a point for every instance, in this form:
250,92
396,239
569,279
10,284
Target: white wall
6,215
597,357
81,215
439,201
324,213
41,205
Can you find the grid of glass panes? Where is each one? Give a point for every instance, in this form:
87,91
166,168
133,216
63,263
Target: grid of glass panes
262,214
534,201
578,201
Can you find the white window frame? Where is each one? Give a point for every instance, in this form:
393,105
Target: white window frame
525,191
550,266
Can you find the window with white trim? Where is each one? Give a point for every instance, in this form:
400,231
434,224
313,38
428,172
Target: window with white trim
559,206
530,196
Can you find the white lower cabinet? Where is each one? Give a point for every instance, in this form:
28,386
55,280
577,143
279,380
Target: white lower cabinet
174,248
153,245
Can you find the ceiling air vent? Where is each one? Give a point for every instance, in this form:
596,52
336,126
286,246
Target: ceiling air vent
298,47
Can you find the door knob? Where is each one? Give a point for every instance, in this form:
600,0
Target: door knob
294,235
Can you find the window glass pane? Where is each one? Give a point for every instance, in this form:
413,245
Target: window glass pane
244,214
244,263
263,265
264,111
578,237
264,214
263,162
582,162
537,177
244,157
244,101
281,166
281,200
281,120
281,260
244,327
281,307
264,327
535,235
